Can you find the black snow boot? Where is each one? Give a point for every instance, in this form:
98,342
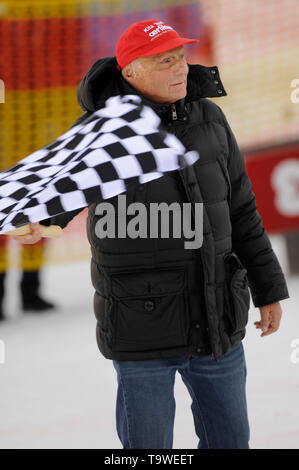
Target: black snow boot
31,300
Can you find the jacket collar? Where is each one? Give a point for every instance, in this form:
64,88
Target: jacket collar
104,80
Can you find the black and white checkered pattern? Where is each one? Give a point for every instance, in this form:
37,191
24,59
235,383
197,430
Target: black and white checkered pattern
120,145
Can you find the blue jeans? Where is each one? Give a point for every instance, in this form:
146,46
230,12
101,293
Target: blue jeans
145,407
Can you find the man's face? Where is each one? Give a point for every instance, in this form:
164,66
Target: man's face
160,77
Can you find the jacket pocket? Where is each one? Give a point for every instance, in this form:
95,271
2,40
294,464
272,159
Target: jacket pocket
226,177
150,310
236,295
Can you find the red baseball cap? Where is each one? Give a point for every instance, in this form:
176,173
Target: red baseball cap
147,38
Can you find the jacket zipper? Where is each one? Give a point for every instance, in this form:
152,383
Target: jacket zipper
201,257
174,113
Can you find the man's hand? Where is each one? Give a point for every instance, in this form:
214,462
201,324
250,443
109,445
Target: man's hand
270,318
33,237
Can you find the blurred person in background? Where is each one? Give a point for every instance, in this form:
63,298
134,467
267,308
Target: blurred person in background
161,308
31,262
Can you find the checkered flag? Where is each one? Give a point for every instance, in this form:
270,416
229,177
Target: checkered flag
117,147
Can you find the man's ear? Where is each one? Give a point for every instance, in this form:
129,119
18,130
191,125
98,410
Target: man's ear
129,72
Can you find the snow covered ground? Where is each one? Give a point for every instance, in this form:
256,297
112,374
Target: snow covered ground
58,391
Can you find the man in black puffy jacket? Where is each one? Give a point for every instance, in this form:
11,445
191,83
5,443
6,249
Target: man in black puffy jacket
160,307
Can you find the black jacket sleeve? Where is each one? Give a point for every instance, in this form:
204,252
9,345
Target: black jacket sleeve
63,219
249,238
